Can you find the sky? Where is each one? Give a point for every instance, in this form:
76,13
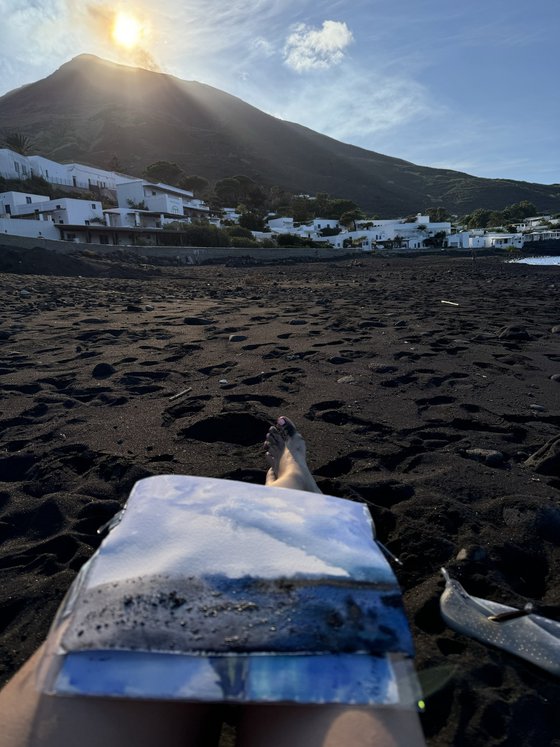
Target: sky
470,86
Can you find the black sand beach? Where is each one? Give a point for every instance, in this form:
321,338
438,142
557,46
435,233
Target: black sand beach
426,410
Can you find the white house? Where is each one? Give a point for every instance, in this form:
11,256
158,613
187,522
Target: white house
44,229
91,176
542,235
13,165
50,171
458,240
130,218
11,202
76,174
535,222
32,215
159,198
320,223
481,240
404,234
64,211
281,225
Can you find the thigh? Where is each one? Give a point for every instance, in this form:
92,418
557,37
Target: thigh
328,726
32,719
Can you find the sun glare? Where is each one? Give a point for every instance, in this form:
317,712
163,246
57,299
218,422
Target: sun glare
126,30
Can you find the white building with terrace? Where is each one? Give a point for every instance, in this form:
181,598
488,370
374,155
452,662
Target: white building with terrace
76,175
400,233
63,211
171,203
11,203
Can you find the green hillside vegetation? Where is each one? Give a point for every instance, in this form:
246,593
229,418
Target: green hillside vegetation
509,216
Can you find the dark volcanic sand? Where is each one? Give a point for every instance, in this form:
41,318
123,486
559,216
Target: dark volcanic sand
390,387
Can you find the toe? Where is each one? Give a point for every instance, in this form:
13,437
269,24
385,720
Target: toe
274,437
287,428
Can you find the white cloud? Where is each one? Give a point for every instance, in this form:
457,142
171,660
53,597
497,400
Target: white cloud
354,105
310,48
263,46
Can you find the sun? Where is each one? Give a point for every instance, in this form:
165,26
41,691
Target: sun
126,31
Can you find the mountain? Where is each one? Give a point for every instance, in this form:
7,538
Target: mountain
90,110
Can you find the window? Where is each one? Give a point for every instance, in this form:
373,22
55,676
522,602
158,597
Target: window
28,200
93,206
16,164
86,222
59,207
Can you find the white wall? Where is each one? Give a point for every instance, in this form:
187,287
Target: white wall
90,176
32,228
503,239
51,171
458,240
159,198
320,223
132,190
280,225
163,203
13,165
65,210
9,201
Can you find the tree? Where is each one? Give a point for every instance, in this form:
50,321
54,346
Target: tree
438,214
228,191
478,218
251,220
302,209
350,217
437,240
290,239
136,205
163,171
338,207
17,141
198,185
238,232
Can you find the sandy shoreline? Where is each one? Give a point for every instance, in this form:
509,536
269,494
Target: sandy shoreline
392,389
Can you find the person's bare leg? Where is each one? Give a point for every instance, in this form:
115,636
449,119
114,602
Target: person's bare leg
32,719
328,726
285,453
322,725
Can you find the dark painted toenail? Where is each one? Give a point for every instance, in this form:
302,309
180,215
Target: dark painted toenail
287,426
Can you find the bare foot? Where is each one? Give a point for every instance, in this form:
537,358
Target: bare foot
285,453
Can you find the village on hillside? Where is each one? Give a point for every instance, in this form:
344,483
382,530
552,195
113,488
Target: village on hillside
151,213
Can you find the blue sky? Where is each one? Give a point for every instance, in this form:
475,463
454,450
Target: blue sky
471,86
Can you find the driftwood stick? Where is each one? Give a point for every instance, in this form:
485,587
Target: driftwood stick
180,394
